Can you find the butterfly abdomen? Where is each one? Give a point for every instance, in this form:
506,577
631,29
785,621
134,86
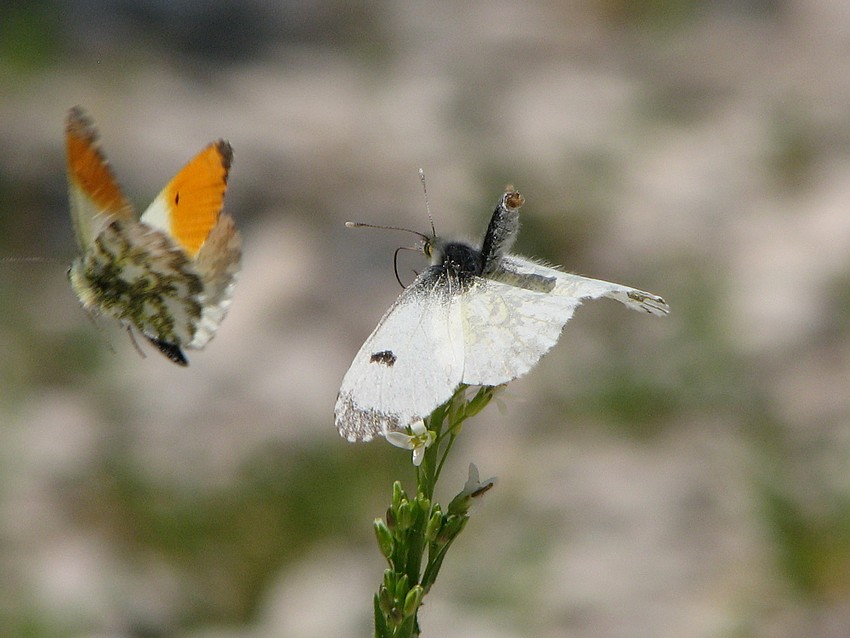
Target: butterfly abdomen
502,231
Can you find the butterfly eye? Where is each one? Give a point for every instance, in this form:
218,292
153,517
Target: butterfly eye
427,248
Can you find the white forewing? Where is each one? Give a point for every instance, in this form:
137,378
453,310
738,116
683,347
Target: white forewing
507,329
411,363
577,287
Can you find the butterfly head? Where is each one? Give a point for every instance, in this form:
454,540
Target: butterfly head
457,257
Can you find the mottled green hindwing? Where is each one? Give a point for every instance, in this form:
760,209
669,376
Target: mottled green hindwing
137,275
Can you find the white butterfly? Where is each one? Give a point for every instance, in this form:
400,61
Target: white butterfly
475,316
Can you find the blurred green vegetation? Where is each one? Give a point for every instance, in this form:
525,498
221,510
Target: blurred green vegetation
29,36
658,14
812,539
669,15
225,542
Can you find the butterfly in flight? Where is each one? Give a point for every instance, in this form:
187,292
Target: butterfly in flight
476,316
169,272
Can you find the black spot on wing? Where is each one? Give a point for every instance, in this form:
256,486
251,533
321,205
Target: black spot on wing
384,356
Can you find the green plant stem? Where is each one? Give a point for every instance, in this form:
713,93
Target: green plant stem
417,527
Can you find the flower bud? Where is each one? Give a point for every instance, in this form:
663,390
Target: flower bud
398,494
396,616
423,502
435,523
451,527
479,401
406,517
385,537
413,600
389,581
385,601
474,488
402,585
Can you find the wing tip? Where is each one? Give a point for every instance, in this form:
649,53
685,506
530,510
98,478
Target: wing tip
649,303
79,124
90,174
225,154
81,135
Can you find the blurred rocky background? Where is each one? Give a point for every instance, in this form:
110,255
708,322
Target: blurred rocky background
678,477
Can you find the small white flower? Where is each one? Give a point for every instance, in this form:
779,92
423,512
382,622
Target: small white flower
417,438
474,486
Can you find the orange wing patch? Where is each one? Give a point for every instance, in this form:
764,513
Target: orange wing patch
195,196
88,169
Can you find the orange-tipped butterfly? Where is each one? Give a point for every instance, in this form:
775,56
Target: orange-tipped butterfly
170,272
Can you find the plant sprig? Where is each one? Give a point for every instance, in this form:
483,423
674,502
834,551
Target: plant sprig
417,530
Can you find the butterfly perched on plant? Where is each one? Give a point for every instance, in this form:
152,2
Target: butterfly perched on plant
477,316
168,273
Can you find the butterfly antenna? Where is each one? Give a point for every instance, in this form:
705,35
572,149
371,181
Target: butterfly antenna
395,263
406,230
427,205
